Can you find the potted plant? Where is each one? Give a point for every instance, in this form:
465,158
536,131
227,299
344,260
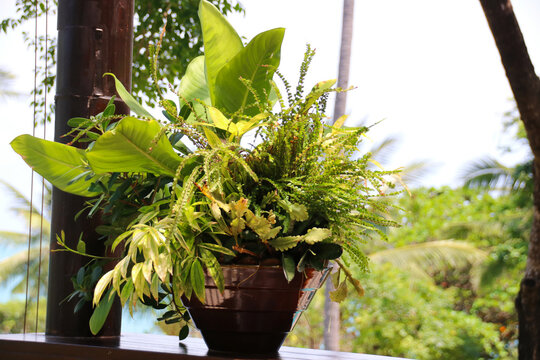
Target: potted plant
239,199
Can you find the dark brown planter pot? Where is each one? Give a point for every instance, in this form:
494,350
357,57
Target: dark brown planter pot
257,309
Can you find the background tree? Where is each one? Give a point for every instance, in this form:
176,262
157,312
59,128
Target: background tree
424,303
182,43
525,86
13,268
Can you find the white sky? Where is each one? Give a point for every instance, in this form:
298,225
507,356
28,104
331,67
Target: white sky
429,68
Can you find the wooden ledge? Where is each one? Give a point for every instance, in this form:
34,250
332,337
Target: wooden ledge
141,347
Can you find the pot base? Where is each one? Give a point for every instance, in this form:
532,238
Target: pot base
246,343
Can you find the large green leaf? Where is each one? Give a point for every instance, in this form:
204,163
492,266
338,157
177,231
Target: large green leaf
132,147
256,63
194,88
221,42
58,163
193,84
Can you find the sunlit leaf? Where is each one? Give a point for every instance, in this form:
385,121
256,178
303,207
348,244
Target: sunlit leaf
285,242
58,163
221,42
102,285
132,147
255,63
315,235
340,293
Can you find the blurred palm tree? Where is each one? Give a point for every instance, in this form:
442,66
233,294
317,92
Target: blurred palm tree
424,260
490,174
14,266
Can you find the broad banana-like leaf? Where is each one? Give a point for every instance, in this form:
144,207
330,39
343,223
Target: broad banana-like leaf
221,42
193,84
134,146
56,162
256,63
194,88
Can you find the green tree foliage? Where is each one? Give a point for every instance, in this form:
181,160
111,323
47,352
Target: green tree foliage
476,216
12,317
404,316
182,43
441,316
14,267
400,316
498,223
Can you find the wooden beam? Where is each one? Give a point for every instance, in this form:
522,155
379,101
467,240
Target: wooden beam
144,347
94,37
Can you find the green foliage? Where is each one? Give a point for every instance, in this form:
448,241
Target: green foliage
414,319
463,214
182,43
184,197
5,83
12,317
14,266
496,223
404,316
57,162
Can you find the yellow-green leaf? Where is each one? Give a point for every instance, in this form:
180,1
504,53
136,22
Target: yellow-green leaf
102,285
221,122
213,140
340,293
147,270
315,235
134,146
214,269
299,212
221,42
339,122
285,242
162,266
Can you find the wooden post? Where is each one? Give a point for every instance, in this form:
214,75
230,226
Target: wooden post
94,37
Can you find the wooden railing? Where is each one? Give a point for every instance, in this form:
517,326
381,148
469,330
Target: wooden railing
142,347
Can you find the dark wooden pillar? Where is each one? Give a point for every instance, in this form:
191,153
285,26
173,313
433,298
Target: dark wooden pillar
94,37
